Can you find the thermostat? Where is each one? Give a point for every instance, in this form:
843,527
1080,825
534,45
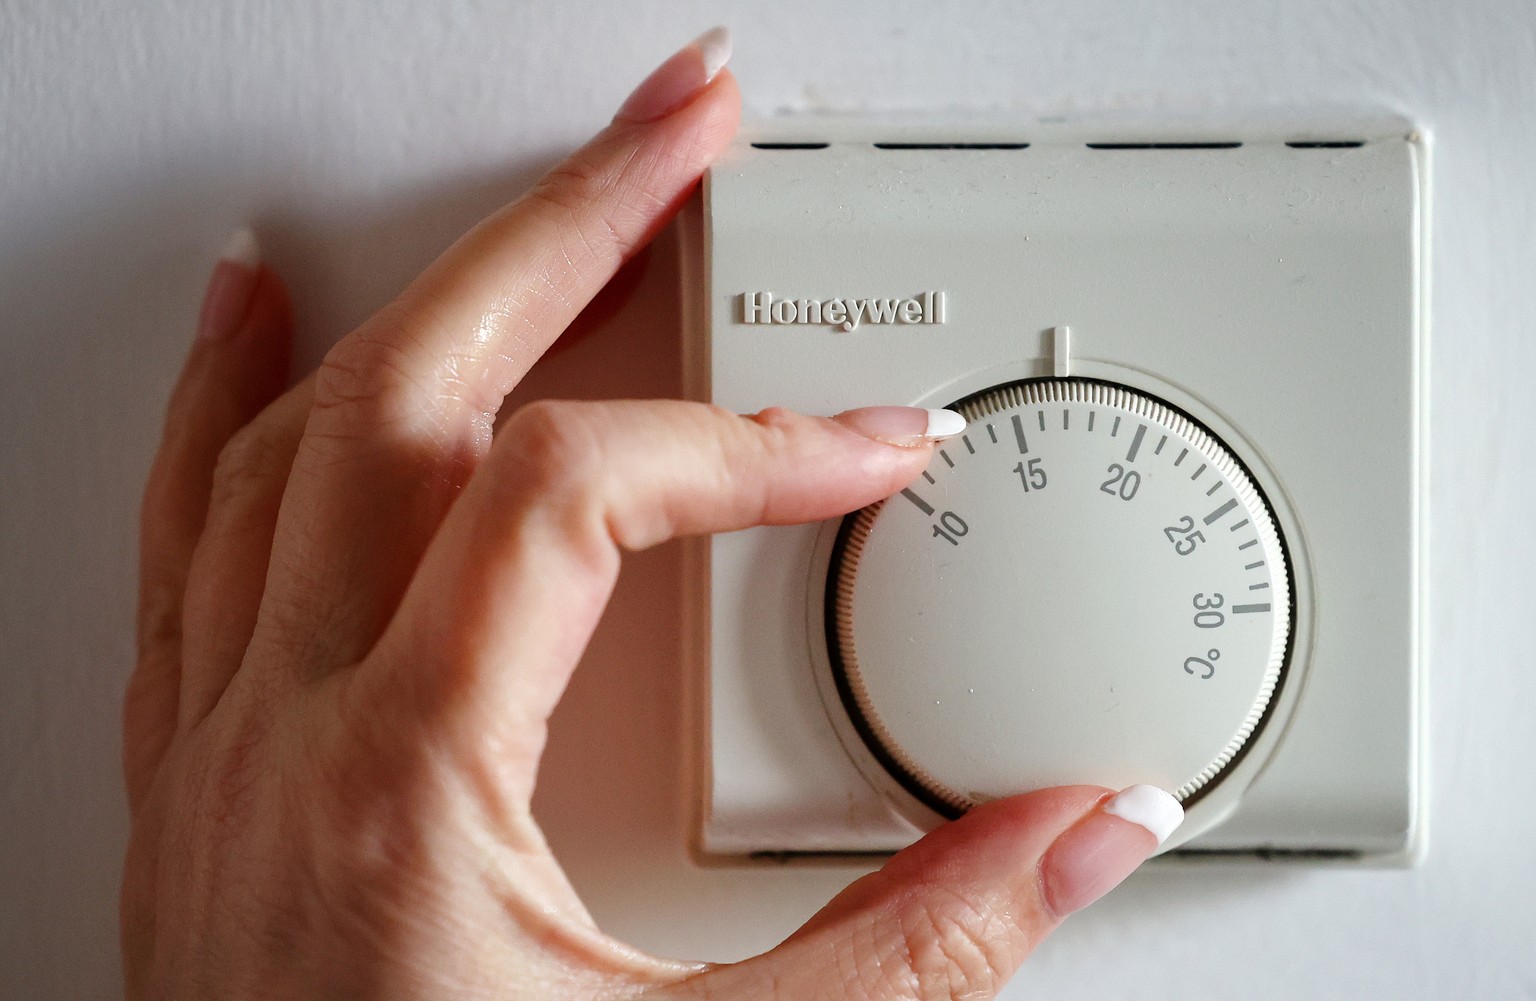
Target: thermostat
1179,542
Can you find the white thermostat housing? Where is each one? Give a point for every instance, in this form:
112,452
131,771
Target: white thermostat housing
1181,539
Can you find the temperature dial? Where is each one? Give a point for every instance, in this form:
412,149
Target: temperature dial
1086,586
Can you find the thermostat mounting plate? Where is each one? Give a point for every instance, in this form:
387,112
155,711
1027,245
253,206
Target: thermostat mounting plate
1262,278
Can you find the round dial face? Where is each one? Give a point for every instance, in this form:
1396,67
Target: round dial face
1085,587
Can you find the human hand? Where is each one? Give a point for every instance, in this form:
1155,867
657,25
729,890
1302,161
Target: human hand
359,608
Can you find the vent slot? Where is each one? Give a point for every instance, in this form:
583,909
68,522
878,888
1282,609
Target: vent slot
790,145
1221,145
951,145
1264,854
1328,144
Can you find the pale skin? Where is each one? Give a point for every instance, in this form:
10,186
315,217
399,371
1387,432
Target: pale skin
359,607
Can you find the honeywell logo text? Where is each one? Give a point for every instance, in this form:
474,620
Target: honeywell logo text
844,313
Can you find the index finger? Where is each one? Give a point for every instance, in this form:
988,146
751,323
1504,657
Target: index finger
404,405
468,329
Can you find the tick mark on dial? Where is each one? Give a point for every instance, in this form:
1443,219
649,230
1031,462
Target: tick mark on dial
1220,512
875,551
1238,525
928,476
922,505
1141,432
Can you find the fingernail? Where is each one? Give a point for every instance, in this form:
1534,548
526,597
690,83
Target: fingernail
902,425
1091,857
678,80
230,288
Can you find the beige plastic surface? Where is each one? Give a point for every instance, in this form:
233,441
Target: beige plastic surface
1086,587
1271,291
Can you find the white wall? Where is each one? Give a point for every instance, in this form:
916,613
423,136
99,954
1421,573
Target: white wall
359,137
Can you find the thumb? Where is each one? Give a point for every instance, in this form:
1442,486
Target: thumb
956,913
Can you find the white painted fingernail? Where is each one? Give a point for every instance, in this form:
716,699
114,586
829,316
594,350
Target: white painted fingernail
676,82
944,424
230,288
242,248
1150,807
907,426
1091,857
715,46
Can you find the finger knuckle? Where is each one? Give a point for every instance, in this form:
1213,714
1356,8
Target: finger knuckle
781,431
367,372
779,420
557,447
955,948
583,195
159,616
249,464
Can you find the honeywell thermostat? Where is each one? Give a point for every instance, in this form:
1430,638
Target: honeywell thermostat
1179,542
